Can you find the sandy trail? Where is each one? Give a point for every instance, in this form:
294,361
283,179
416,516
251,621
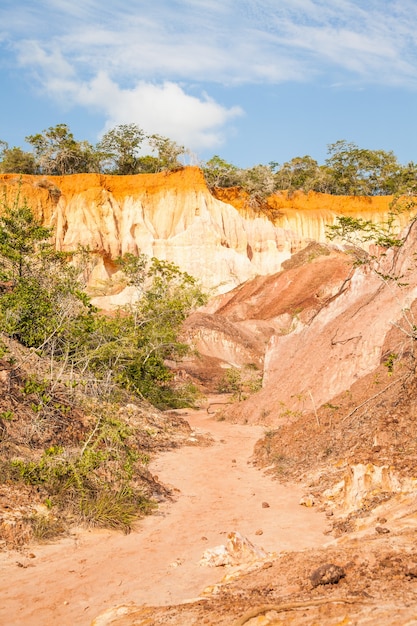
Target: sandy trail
72,581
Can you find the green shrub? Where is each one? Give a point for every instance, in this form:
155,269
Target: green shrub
46,309
117,510
98,483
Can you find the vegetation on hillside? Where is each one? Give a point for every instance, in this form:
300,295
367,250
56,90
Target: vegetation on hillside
128,149
43,306
67,372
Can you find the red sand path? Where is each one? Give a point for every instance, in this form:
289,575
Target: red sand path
72,581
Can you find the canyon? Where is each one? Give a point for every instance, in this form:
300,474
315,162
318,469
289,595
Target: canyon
331,342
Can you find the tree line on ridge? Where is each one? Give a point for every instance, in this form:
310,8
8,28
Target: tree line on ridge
347,170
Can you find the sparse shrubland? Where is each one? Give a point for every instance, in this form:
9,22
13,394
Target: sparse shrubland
78,387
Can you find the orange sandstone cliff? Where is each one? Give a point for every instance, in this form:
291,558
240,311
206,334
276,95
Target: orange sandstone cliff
174,217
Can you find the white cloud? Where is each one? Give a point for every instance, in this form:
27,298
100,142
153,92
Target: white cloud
227,41
137,61
164,108
50,63
376,44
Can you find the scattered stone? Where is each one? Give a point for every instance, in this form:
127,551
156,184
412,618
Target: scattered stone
238,550
259,532
216,557
307,500
204,538
329,513
328,574
411,570
381,530
265,505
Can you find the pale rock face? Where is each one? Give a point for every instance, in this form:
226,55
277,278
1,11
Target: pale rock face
344,341
175,218
363,481
205,237
324,349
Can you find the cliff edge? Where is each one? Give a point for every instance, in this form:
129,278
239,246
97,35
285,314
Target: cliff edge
216,238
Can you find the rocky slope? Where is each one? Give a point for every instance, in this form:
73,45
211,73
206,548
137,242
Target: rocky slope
340,394
319,326
218,239
237,329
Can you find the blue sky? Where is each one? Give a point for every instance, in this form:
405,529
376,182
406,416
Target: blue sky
251,80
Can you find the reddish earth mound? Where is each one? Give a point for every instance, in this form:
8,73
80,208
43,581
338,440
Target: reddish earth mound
234,329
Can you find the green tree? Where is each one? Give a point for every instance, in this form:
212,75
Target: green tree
21,235
148,164
356,171
220,173
168,153
16,161
241,382
43,309
166,296
45,296
406,182
120,147
358,233
58,153
258,182
301,173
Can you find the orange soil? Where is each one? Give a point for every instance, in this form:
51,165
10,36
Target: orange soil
217,489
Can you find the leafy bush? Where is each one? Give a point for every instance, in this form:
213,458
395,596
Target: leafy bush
241,382
96,483
46,309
